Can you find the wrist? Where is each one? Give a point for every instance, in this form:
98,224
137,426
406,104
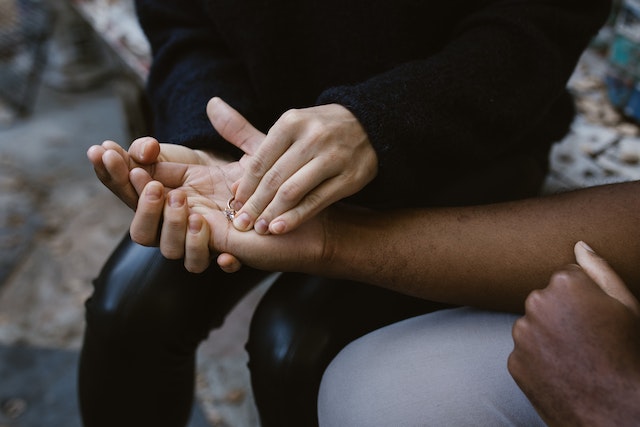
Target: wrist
345,239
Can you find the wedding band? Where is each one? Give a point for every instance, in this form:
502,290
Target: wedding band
229,212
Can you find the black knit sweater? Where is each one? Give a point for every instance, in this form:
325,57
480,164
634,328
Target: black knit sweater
436,84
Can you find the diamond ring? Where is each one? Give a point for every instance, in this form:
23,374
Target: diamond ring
229,212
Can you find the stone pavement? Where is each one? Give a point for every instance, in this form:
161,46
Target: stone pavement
58,224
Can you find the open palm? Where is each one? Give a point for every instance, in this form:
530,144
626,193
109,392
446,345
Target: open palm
206,177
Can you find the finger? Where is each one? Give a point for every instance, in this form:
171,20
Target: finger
313,188
144,226
218,240
116,167
170,174
197,256
260,168
174,225
145,150
284,172
112,145
228,263
604,276
232,126
110,167
94,154
139,178
313,202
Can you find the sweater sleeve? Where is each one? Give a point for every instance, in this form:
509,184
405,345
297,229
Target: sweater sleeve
191,64
490,86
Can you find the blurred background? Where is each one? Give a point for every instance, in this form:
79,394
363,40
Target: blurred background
71,75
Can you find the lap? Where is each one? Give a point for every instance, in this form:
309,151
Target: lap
442,368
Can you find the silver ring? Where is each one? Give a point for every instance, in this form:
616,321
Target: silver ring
229,212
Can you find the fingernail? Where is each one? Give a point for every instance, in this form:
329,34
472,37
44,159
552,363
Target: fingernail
242,221
587,247
237,205
278,227
142,148
195,225
176,200
153,192
261,226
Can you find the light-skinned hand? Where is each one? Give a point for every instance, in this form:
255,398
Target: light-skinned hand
309,159
202,232
204,176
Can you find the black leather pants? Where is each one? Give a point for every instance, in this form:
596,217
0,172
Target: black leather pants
144,322
300,325
148,315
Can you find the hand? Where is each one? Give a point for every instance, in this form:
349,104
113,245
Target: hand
204,184
205,176
577,348
112,163
310,159
204,230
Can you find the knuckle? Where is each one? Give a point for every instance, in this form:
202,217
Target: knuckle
319,131
272,179
533,301
513,365
252,207
518,329
194,245
290,192
563,280
291,117
173,226
314,200
255,168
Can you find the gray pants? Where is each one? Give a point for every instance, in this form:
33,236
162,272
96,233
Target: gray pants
447,368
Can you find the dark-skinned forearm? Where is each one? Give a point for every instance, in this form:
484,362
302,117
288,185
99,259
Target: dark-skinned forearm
490,256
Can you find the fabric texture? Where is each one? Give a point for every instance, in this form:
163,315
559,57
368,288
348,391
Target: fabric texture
447,368
437,85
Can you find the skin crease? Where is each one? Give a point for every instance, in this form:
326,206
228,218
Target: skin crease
532,239
577,348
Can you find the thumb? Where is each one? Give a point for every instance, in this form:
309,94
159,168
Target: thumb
599,270
233,127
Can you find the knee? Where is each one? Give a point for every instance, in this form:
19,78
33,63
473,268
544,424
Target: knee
284,345
289,349
293,334
119,290
140,294
347,396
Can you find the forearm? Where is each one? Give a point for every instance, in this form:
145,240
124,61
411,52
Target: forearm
490,256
